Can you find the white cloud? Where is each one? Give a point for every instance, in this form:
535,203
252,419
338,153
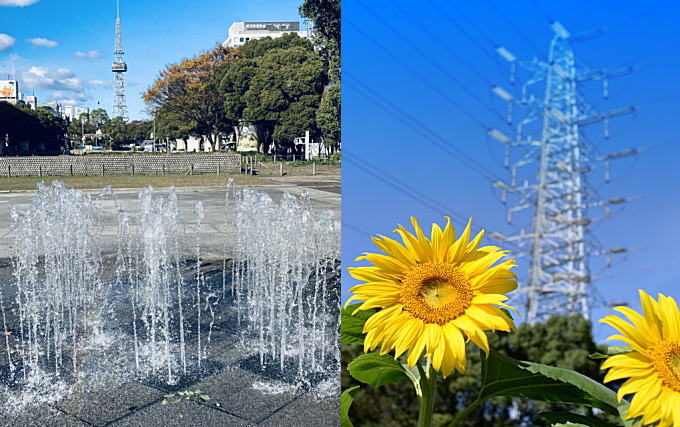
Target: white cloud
64,83
6,41
20,3
39,41
99,83
92,54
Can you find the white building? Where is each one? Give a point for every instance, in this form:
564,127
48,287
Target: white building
74,111
241,32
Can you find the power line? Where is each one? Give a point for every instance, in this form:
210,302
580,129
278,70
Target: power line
403,188
514,28
542,11
425,81
432,62
444,45
419,127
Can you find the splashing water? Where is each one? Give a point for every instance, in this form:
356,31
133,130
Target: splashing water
285,281
65,312
81,314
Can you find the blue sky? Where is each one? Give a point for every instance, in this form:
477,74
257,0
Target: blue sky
418,70
155,33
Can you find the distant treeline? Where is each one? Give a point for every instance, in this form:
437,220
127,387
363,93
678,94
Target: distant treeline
26,131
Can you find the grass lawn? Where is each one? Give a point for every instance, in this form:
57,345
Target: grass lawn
129,181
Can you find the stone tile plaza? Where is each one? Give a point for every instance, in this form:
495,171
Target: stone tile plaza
230,387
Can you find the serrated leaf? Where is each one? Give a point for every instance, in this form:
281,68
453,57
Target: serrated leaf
205,397
505,376
567,418
352,327
346,399
376,370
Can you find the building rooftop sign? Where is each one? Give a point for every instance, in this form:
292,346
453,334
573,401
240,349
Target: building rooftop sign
272,26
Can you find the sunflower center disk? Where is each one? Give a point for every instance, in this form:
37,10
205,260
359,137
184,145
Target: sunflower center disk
436,293
666,361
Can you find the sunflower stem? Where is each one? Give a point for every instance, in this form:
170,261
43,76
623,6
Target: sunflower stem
428,386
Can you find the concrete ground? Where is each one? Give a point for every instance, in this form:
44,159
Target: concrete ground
324,193
234,396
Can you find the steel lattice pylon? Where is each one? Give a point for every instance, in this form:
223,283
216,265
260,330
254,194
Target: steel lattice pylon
549,138
119,67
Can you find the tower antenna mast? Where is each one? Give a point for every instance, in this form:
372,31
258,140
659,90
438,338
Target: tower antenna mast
119,67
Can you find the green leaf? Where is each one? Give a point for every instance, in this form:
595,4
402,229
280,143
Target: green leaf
507,312
567,418
505,376
352,327
596,356
346,399
377,370
613,350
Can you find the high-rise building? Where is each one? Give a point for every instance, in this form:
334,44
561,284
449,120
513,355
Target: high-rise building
9,91
241,32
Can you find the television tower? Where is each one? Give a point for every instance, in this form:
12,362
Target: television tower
555,192
119,67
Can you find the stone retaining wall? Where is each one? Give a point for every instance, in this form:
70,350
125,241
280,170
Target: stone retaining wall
119,165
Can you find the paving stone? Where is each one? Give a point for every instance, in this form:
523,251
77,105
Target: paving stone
307,411
226,383
233,390
184,413
43,416
102,407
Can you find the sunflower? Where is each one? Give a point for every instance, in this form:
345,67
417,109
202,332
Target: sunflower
434,294
653,365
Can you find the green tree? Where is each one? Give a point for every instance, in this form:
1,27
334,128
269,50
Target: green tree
325,15
187,91
328,116
276,88
562,341
117,130
99,117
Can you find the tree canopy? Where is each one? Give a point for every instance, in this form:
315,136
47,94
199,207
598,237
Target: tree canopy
276,87
187,92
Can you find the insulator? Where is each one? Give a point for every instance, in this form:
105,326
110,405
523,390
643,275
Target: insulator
605,88
607,171
606,128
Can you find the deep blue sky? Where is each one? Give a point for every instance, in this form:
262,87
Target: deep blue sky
642,34
155,33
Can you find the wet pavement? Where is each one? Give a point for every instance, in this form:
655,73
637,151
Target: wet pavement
234,394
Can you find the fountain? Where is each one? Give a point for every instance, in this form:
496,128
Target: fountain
84,314
285,283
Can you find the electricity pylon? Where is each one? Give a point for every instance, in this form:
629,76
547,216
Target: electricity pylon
119,67
550,176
